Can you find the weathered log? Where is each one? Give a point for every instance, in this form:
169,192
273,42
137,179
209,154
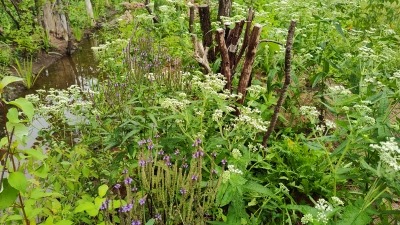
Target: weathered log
288,62
200,54
225,65
248,61
205,24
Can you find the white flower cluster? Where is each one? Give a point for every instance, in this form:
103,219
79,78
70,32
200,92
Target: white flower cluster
256,90
389,152
236,153
396,75
217,115
101,48
212,83
251,117
175,104
324,208
339,90
310,112
257,147
227,173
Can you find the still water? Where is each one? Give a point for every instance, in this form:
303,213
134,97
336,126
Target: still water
78,69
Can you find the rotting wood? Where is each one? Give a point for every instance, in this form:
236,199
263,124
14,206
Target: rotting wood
205,24
288,62
248,61
225,65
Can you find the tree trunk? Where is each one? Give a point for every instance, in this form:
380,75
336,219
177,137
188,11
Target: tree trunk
89,10
205,24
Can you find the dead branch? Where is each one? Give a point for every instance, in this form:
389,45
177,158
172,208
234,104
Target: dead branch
200,54
249,21
288,61
225,67
205,24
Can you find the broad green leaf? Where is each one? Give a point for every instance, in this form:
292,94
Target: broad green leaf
42,171
103,190
20,130
8,80
18,181
64,222
258,188
35,153
151,221
84,206
25,105
14,217
8,195
12,116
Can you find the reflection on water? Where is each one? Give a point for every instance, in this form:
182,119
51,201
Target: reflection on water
79,69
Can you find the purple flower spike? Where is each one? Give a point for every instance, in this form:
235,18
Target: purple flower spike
134,189
117,186
194,177
185,165
224,161
214,155
141,142
198,154
158,217
142,163
161,152
104,205
128,180
127,208
136,222
177,152
197,142
183,191
150,146
142,201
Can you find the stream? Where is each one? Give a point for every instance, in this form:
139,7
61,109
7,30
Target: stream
78,69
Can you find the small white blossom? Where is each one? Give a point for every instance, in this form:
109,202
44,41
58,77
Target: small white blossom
337,201
308,218
389,152
236,153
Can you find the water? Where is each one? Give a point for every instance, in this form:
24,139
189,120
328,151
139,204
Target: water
78,69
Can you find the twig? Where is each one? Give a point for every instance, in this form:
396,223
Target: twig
225,67
271,41
288,61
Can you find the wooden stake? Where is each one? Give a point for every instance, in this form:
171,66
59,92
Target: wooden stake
205,24
248,62
288,62
225,66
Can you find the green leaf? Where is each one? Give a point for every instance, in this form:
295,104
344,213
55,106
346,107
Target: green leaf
25,105
42,171
35,153
12,116
20,130
64,222
18,181
14,217
8,195
151,221
354,216
84,206
8,80
103,190
258,188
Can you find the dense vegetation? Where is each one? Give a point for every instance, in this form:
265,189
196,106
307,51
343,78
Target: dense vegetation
162,141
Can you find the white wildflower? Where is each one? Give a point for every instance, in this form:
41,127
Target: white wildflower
339,90
337,201
236,153
232,169
389,152
330,125
310,111
217,115
308,218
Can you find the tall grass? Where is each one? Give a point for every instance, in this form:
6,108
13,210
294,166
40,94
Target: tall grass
25,71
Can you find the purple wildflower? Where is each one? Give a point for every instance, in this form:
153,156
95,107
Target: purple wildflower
142,201
198,154
157,135
150,146
141,142
136,222
183,191
134,189
195,177
158,217
214,155
185,165
126,208
224,161
125,171
177,152
117,186
128,180
196,142
104,205
161,152
142,163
